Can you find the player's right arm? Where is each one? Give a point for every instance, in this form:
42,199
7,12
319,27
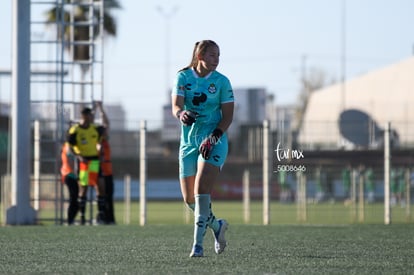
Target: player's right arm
186,117
177,95
177,105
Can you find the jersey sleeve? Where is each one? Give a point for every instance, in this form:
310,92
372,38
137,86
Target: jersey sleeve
179,85
226,95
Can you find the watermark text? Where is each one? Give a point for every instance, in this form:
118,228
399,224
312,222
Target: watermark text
283,154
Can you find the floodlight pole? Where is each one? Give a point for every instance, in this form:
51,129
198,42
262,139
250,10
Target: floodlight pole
343,55
167,18
20,212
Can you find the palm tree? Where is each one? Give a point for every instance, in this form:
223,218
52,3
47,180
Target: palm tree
81,27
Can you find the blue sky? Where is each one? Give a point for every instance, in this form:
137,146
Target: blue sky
262,43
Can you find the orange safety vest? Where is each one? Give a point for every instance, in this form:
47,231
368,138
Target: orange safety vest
106,164
67,161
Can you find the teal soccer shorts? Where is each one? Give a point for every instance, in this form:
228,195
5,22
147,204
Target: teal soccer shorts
190,156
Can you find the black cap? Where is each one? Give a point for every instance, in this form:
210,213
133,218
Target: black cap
86,111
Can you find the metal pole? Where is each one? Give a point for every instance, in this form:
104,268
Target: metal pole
167,17
102,49
127,199
250,145
143,173
343,55
387,158
21,211
36,166
301,211
407,195
266,173
246,196
298,197
303,191
361,203
353,194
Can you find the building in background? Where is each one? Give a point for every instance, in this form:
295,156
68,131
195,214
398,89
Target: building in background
252,106
354,114
116,115
5,109
249,109
284,120
170,131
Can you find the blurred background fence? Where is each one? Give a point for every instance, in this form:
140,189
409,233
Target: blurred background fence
316,186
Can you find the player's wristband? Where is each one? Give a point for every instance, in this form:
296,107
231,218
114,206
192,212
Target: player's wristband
217,133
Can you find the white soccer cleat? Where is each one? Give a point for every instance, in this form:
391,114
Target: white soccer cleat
220,242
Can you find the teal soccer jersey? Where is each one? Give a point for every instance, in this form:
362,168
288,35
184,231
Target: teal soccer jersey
204,96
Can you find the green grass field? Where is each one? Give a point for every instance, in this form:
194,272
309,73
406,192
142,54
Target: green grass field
164,249
174,212
330,242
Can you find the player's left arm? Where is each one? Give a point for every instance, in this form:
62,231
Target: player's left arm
227,105
209,142
227,110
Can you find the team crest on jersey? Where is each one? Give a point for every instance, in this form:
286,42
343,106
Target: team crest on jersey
212,88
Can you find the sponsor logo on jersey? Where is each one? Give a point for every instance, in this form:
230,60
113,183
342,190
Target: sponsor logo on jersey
186,87
199,98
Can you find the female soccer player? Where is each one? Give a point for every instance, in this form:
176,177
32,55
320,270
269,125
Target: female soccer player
202,99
